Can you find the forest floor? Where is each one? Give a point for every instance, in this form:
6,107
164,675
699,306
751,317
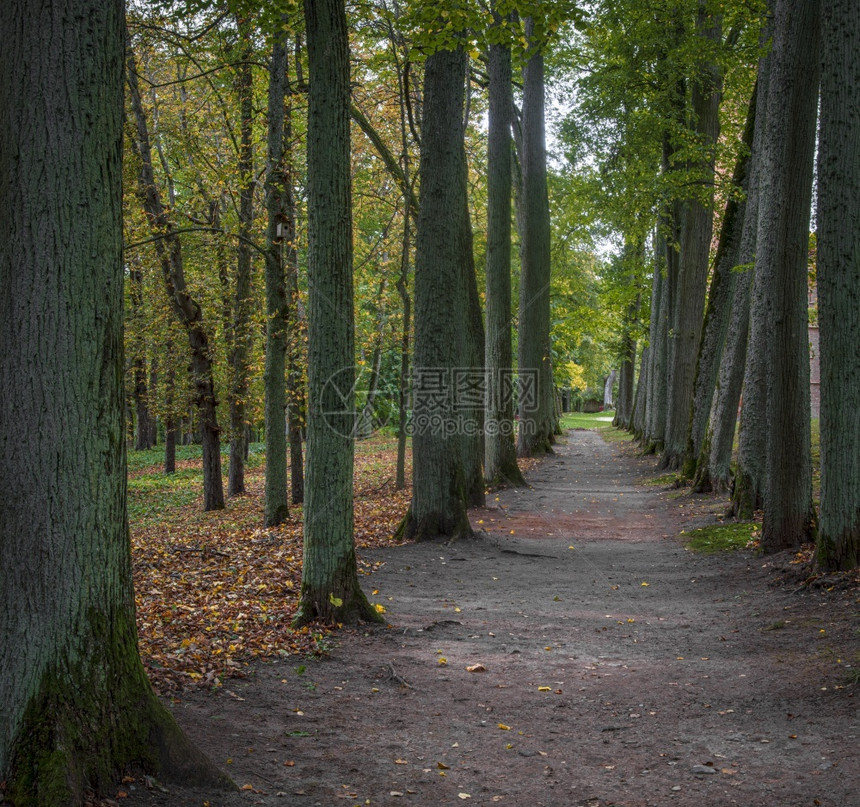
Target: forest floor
576,654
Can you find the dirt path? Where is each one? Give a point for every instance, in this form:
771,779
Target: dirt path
615,668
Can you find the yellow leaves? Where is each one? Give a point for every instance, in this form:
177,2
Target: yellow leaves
442,661
503,727
476,668
442,766
337,602
544,689
379,608
643,583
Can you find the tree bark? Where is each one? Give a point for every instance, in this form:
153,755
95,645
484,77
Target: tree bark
537,392
330,589
720,296
696,227
441,308
276,510
839,286
714,465
77,707
187,310
500,456
781,259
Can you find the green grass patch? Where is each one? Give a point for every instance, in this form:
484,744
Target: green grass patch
663,481
586,420
153,495
722,537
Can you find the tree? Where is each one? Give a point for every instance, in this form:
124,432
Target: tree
77,707
838,278
500,464
438,480
781,262
330,589
537,393
277,311
239,333
694,219
721,295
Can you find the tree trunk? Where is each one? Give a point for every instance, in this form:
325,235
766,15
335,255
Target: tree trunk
441,308
714,466
720,296
276,510
640,409
500,456
781,258
839,286
696,227
77,708
186,309
403,389
655,402
330,589
537,392
471,406
240,342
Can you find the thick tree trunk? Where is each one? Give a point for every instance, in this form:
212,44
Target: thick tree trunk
839,286
781,257
186,309
713,471
240,342
500,456
330,589
537,391
77,708
276,510
720,297
441,308
696,225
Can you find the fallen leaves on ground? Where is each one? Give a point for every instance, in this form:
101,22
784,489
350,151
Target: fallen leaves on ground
217,590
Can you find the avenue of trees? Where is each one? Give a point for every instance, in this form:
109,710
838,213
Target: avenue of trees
310,222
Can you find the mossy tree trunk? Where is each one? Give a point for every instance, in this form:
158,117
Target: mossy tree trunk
330,589
781,259
77,707
441,308
500,455
839,286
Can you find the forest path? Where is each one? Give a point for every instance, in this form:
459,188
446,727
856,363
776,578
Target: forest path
613,668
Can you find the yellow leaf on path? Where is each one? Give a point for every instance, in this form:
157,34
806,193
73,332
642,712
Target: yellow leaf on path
380,609
463,796
503,727
544,689
644,583
442,766
400,762
442,661
476,668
